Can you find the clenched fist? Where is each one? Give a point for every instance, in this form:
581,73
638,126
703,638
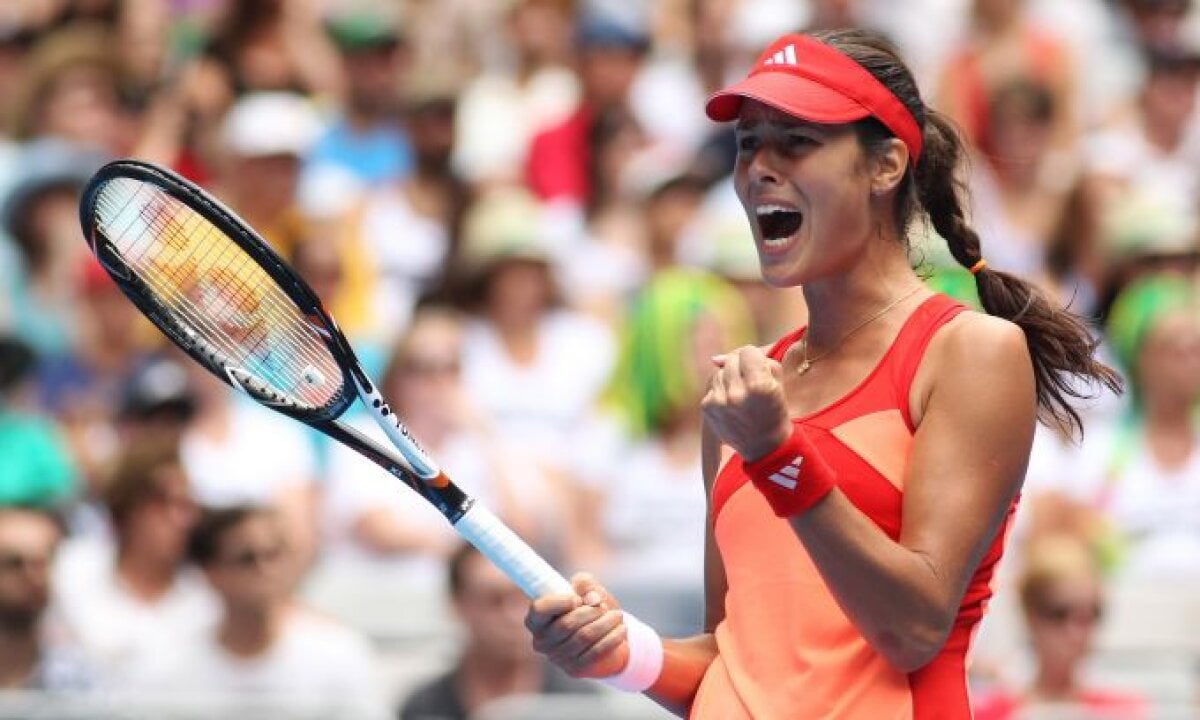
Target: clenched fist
745,403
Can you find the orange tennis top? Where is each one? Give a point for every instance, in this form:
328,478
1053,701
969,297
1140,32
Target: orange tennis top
786,650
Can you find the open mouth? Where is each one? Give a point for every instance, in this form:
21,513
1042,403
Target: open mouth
777,224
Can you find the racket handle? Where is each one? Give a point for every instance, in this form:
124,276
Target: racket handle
510,553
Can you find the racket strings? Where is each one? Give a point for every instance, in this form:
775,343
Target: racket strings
234,294
232,310
216,291
233,290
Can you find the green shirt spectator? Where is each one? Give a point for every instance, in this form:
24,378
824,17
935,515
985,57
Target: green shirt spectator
37,469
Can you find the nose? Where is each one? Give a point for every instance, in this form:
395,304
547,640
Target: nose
762,168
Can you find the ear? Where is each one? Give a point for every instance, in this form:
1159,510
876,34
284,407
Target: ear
888,167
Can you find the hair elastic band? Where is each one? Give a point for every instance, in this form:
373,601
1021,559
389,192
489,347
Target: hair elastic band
978,266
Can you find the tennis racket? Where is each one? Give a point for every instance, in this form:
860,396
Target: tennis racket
219,292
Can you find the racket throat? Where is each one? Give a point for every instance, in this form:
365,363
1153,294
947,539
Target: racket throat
257,389
419,462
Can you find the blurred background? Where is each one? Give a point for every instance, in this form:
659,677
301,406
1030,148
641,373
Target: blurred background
521,217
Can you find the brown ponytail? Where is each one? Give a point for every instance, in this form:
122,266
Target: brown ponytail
1060,344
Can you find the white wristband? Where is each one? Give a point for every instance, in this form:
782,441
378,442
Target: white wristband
645,657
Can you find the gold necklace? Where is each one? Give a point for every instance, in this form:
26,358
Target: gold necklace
806,362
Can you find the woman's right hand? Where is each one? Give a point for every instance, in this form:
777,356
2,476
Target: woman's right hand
584,634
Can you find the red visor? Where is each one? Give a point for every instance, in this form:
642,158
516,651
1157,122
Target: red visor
808,79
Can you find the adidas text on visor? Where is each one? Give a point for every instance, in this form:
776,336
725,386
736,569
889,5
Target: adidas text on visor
808,79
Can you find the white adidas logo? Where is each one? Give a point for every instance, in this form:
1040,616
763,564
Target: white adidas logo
786,56
786,477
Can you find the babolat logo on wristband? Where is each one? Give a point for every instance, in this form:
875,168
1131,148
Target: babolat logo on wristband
787,475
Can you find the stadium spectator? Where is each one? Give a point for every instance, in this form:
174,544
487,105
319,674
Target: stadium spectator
157,401
1143,472
1022,192
81,386
375,526
1003,46
71,92
37,467
504,107
263,139
265,646
496,660
387,273
1144,165
261,45
123,602
31,657
367,141
1062,603
534,366
561,164
235,452
644,506
40,218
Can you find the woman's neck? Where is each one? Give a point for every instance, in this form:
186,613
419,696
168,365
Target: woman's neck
247,632
1167,412
482,679
518,335
836,305
19,651
147,578
1054,684
1169,432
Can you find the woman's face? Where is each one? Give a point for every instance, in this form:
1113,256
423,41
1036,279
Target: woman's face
806,190
427,376
518,289
1018,138
253,564
1169,360
1063,621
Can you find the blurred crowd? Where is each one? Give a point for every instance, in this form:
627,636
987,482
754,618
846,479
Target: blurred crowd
519,214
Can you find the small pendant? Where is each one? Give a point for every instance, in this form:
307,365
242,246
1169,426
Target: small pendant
804,366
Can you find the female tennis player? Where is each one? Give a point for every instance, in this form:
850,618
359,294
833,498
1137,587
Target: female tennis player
860,472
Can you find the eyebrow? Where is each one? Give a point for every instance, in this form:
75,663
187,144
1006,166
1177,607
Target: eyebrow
787,124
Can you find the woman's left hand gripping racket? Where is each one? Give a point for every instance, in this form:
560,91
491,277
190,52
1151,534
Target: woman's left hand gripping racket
215,288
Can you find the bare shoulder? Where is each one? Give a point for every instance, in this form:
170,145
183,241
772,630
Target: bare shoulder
982,338
977,354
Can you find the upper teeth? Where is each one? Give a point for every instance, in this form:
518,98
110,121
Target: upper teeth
768,209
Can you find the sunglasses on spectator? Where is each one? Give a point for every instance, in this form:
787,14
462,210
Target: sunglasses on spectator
12,561
432,366
246,558
1062,613
168,498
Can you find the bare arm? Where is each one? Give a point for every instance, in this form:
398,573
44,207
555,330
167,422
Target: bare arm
977,415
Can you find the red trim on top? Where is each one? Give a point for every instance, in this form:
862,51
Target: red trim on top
902,358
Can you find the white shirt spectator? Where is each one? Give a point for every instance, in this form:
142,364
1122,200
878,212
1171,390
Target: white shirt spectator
497,118
261,456
118,631
538,406
653,518
488,473
316,665
1156,509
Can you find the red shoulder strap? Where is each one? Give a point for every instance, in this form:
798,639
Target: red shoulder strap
782,344
909,347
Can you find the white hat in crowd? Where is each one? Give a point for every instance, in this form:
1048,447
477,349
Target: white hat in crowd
271,123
